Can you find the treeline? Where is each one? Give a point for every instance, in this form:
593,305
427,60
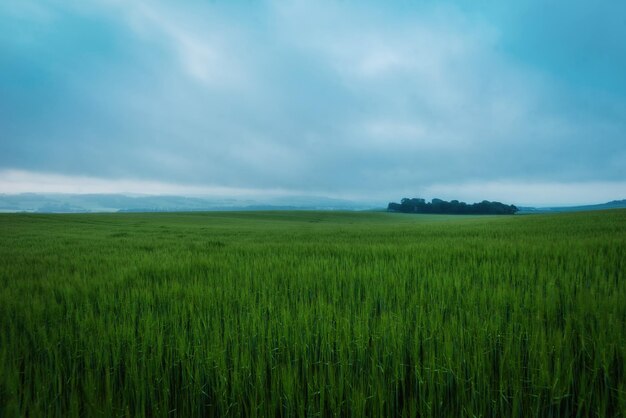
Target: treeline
454,207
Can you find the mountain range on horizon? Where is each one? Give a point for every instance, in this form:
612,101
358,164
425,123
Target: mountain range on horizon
93,203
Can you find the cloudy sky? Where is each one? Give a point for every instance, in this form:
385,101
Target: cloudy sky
363,100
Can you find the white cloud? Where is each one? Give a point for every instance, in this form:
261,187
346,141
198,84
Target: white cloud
20,181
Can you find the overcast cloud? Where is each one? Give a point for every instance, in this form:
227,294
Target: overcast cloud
359,100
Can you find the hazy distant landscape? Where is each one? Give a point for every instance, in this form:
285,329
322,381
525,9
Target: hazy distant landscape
74,203
93,203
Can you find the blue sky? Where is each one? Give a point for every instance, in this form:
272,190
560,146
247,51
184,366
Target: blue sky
365,100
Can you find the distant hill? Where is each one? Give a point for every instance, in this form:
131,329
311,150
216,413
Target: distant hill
615,204
79,203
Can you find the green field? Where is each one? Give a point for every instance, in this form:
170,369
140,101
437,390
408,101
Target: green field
312,314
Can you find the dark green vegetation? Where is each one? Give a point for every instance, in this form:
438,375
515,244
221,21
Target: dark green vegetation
454,207
312,314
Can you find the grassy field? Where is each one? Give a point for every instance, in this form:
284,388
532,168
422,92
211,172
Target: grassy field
312,314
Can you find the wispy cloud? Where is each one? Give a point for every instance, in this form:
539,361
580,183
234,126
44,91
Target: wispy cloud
201,50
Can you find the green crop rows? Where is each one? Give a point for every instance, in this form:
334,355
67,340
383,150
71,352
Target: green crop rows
312,314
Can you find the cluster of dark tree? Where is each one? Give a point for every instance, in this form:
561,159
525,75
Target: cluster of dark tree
454,207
